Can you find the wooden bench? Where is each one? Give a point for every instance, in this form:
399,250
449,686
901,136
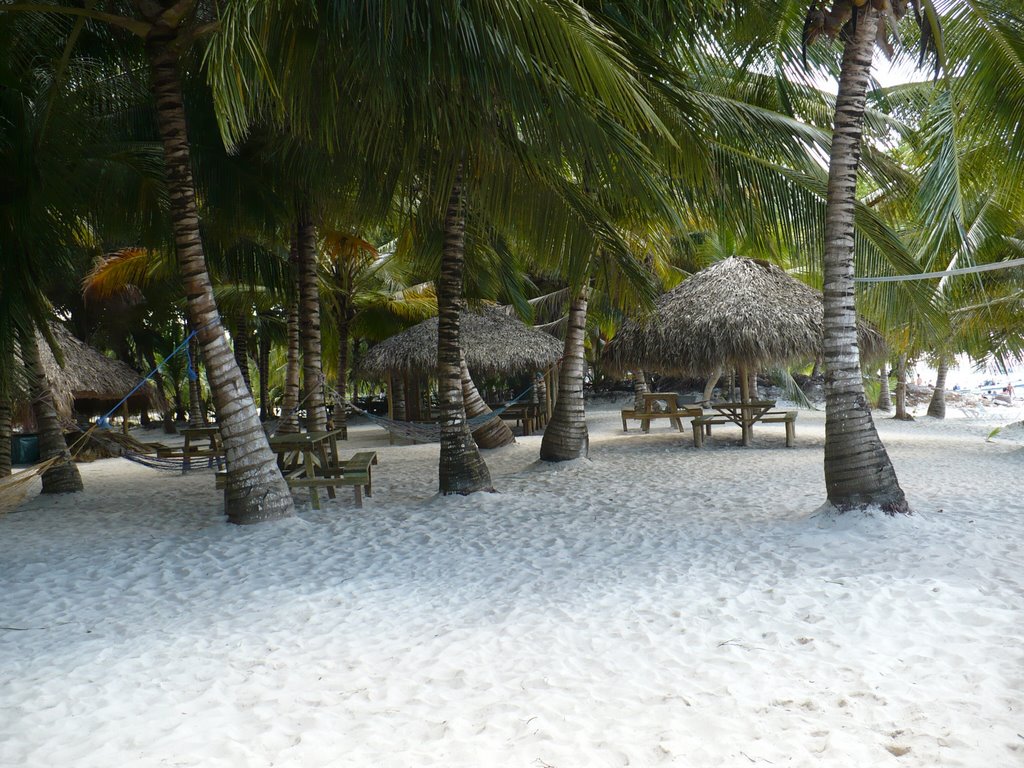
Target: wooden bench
645,418
167,452
355,472
702,425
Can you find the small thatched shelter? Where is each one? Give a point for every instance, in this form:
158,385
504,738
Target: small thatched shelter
493,340
90,383
738,313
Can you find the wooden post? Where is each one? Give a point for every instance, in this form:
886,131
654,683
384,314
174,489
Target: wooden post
124,418
745,410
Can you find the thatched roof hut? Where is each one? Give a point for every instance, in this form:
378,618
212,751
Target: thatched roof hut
738,313
494,342
90,383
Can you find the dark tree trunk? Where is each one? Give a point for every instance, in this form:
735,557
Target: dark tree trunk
901,390
884,396
5,435
196,410
937,406
858,472
255,489
461,468
398,398
341,387
290,400
241,346
309,328
566,436
263,350
63,476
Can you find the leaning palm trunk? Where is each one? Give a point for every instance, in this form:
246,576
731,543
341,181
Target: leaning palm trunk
565,436
884,396
461,469
709,387
493,433
937,406
63,476
5,435
858,472
309,329
255,490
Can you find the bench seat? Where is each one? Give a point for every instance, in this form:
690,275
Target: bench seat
676,417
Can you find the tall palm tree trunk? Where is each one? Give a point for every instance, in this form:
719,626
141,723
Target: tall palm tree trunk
884,395
290,400
255,489
461,468
858,472
901,390
263,365
493,433
566,436
341,382
309,328
6,413
397,392
63,476
640,389
937,406
196,411
241,347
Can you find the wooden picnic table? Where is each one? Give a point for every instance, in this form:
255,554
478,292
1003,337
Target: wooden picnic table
307,455
745,415
672,411
193,447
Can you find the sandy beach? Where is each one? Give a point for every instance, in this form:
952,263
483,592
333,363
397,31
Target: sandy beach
654,605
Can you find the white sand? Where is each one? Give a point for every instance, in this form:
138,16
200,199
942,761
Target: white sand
656,605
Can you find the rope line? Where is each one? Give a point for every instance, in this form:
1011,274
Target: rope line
943,273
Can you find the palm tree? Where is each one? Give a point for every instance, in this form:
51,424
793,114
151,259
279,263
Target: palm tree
255,490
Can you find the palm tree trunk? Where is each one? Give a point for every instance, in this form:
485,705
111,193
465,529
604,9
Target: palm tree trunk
566,436
290,400
196,411
937,406
62,477
858,472
341,385
901,390
263,365
493,433
255,489
241,347
640,389
709,387
398,398
884,396
309,328
461,468
6,413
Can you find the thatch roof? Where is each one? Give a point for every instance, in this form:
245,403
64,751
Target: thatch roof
90,382
737,313
494,342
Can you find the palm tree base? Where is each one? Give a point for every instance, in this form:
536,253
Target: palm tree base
257,504
62,478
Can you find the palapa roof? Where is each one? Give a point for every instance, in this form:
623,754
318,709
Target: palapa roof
90,381
737,313
494,342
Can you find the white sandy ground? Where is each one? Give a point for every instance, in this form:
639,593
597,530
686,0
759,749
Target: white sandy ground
653,606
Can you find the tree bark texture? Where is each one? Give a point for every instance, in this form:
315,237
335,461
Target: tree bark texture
263,355
241,347
341,383
461,468
397,393
640,389
309,328
901,390
6,413
63,476
858,472
884,395
493,433
196,411
937,406
566,436
290,400
255,489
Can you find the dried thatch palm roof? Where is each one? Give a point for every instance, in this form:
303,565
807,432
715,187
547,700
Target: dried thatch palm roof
493,340
737,313
91,382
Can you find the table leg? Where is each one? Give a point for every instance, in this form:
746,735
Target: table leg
314,496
